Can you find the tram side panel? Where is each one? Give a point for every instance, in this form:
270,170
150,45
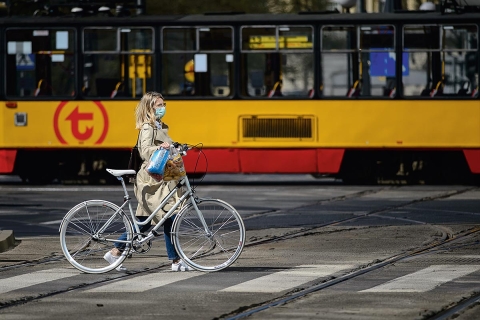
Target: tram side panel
256,136
261,137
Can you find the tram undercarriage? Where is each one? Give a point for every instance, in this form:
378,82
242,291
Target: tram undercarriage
68,167
357,167
406,167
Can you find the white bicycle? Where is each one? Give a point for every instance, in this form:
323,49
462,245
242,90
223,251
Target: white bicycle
208,234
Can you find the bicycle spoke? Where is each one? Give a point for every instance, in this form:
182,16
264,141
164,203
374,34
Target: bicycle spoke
80,239
213,250
79,228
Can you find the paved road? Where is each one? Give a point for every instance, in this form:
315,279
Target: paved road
315,249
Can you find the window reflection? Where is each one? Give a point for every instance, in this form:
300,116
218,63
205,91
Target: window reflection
118,62
197,61
40,62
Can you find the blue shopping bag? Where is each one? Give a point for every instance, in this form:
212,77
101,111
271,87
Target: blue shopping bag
157,162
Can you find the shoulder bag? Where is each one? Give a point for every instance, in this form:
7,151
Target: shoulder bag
135,160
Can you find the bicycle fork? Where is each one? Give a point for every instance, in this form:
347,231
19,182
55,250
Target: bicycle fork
199,214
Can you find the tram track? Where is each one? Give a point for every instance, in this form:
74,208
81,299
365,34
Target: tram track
446,237
247,311
446,234
453,311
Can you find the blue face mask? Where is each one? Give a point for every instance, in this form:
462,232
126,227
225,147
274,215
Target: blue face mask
159,113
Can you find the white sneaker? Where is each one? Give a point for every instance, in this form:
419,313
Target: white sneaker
180,266
112,259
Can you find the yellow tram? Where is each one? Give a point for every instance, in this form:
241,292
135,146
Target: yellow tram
364,97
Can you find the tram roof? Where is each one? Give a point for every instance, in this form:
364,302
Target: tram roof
422,16
245,19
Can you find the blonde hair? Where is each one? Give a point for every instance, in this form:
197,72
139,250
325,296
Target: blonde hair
144,112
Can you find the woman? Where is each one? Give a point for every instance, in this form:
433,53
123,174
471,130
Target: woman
150,190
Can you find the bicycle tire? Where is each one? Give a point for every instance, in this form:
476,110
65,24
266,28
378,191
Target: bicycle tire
211,251
80,244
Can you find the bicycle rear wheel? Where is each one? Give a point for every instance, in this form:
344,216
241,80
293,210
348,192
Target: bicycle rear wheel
83,241
213,250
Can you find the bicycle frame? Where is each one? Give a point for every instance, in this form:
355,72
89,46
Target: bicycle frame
202,228
136,223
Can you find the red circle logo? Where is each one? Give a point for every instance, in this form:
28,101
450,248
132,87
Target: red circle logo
78,122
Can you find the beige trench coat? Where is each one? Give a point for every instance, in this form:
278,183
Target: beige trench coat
148,191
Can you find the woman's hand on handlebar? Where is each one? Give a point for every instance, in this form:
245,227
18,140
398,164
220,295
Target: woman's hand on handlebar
165,145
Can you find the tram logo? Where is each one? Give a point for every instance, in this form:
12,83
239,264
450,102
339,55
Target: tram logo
80,123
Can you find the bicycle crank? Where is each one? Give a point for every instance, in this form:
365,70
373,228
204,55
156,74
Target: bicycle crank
140,246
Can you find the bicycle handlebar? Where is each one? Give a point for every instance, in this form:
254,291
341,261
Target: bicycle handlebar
182,148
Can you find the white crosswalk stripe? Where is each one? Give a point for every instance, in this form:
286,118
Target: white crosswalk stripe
34,278
287,279
425,279
147,282
420,281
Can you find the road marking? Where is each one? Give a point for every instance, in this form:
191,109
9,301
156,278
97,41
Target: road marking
468,281
284,280
51,222
31,279
147,282
425,279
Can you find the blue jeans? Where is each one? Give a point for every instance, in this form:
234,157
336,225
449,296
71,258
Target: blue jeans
167,227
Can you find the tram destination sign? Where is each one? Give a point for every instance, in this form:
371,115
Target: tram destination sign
284,42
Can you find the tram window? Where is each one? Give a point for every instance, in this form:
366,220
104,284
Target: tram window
179,39
277,61
197,61
100,40
358,60
442,64
136,40
215,39
338,47
421,44
118,62
421,37
379,38
337,74
377,61
40,62
460,37
460,45
339,38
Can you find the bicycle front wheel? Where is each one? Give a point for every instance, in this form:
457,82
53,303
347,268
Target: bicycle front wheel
215,248
89,230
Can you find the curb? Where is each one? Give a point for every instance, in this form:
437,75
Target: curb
7,240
